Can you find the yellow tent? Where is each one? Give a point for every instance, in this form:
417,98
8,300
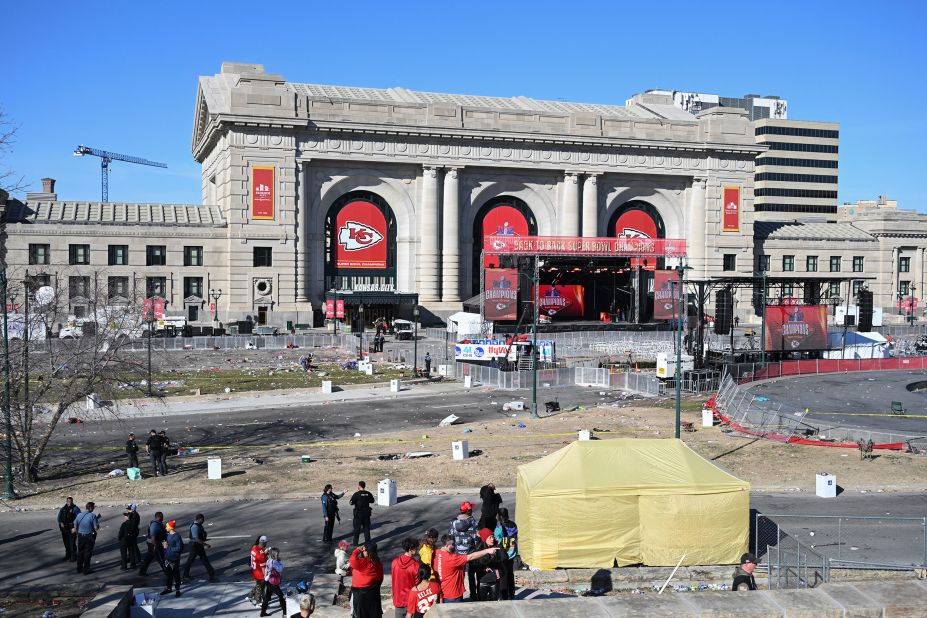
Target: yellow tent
634,501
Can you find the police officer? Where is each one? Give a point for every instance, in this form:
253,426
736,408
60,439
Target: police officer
428,364
362,500
153,447
165,447
86,525
198,547
66,516
128,532
132,451
136,520
155,538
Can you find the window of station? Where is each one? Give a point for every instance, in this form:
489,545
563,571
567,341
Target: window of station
118,287
192,256
39,254
857,286
904,287
192,286
788,263
156,255
78,254
858,263
904,264
835,263
811,263
263,257
730,262
118,255
155,287
763,263
78,287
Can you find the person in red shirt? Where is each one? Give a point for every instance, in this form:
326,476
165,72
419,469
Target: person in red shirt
423,594
404,570
258,559
366,577
450,568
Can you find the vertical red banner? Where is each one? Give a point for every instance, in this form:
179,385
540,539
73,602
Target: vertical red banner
793,328
503,221
329,309
339,309
153,309
361,233
730,218
666,294
500,294
262,192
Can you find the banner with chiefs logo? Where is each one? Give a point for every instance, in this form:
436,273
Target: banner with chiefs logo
329,309
666,293
730,218
637,224
153,309
500,294
262,192
360,229
503,221
561,301
794,328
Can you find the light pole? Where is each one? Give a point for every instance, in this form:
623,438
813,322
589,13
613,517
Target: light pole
215,294
9,493
360,335
150,317
678,304
416,312
912,316
535,280
763,319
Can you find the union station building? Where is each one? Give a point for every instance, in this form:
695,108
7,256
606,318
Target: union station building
382,198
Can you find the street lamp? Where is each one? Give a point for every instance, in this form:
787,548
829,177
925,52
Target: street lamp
912,316
360,335
416,312
763,318
215,294
679,304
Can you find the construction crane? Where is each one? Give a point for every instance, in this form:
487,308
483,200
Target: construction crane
106,158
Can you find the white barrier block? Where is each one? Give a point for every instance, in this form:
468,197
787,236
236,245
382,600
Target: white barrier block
461,449
326,387
386,493
708,417
468,381
585,434
394,386
826,485
214,468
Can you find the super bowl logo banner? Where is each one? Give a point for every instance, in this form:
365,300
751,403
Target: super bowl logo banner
262,192
500,294
794,328
360,231
562,301
665,294
730,219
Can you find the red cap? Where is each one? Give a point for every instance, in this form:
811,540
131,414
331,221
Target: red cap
466,506
485,533
172,524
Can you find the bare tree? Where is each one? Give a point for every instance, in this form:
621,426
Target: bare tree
8,180
52,378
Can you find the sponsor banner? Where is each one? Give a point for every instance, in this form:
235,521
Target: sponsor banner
500,294
329,309
360,229
795,328
503,221
637,224
262,192
730,219
339,309
665,294
577,246
153,309
562,301
488,349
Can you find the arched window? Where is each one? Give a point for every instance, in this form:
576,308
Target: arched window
503,215
360,243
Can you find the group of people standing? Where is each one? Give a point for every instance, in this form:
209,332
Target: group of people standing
158,446
475,558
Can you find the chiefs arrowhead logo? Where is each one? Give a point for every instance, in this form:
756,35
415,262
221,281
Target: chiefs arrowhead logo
629,232
354,236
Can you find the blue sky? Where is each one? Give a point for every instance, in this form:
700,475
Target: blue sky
122,76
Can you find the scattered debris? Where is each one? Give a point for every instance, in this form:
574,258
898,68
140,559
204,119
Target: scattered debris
389,457
419,454
117,472
449,420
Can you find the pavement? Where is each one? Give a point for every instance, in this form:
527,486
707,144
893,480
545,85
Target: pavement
854,400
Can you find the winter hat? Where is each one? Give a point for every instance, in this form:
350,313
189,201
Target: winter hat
342,544
485,533
466,506
171,524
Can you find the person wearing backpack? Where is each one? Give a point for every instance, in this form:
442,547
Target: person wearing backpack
154,539
198,547
506,534
464,531
273,577
173,548
330,511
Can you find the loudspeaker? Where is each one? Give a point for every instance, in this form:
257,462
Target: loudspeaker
865,311
724,312
812,293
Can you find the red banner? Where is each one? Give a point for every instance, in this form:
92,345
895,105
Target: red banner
360,229
572,245
666,294
262,192
907,304
153,309
329,309
637,224
796,328
339,309
731,210
562,301
500,294
503,221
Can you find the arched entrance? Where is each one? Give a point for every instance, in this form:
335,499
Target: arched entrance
632,281
360,256
503,215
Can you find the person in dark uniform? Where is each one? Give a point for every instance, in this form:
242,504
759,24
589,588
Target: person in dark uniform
132,451
743,575
155,538
427,363
165,448
136,520
85,527
362,500
153,448
127,535
330,511
198,547
66,516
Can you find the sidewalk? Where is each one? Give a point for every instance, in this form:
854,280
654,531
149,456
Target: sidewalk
203,600
280,399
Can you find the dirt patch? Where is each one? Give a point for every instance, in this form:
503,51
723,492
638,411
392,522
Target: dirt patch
34,604
497,448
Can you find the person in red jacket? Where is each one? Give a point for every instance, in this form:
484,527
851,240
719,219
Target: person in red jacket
450,568
258,559
367,575
404,571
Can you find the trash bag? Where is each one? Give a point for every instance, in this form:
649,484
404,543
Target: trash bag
134,474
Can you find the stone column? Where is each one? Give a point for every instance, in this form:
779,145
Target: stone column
302,234
450,239
428,274
591,206
695,245
569,208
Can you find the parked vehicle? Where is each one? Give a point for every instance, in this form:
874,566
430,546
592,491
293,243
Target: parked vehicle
403,329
